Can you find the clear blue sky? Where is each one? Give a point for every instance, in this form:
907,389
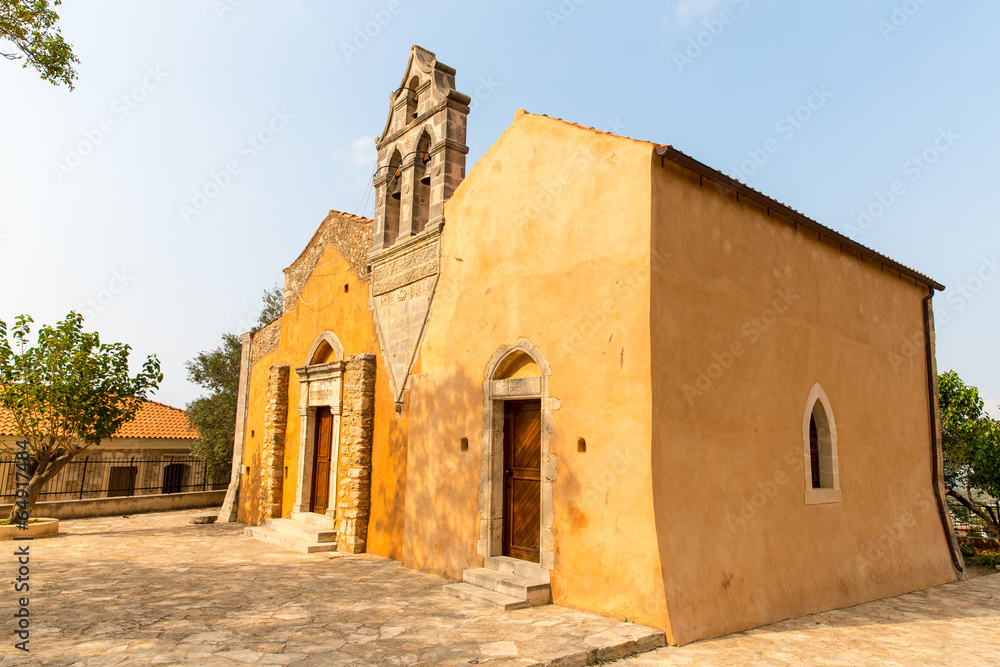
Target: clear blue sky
834,100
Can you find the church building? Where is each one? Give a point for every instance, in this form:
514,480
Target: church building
596,372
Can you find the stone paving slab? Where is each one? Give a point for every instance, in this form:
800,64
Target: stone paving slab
953,624
154,589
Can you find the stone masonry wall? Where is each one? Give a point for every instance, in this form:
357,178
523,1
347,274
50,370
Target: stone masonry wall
273,444
264,341
354,488
401,315
350,234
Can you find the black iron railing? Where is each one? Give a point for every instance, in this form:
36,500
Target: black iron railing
108,477
966,523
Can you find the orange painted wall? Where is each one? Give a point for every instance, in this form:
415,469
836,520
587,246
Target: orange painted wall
687,511
324,305
748,313
537,245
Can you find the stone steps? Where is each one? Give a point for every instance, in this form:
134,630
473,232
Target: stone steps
307,538
304,530
483,596
516,566
503,589
534,591
313,519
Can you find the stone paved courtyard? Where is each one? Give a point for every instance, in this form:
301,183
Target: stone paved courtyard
154,589
954,624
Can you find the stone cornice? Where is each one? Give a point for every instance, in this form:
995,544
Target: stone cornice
320,371
418,122
405,246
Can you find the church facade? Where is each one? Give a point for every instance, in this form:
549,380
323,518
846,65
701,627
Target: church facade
607,366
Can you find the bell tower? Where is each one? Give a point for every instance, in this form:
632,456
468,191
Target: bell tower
421,160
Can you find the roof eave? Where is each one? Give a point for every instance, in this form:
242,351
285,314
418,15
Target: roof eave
674,155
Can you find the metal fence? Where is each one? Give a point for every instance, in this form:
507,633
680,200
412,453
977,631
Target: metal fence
109,477
966,523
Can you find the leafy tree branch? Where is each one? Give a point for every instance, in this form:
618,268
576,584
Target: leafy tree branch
30,25
970,442
67,392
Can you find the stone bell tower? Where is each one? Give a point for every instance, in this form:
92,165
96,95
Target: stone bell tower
421,160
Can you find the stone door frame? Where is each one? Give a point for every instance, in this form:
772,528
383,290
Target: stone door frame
319,385
495,393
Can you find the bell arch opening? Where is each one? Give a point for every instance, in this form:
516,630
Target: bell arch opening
421,184
393,195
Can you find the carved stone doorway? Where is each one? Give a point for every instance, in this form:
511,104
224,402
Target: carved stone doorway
321,383
517,374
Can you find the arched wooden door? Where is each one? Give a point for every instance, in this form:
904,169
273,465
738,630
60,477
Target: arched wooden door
522,455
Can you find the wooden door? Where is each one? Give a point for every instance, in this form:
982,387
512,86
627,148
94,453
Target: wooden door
522,461
322,449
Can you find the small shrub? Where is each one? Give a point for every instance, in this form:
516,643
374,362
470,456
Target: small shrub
987,559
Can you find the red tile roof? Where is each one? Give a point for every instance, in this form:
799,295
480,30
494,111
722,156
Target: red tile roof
154,420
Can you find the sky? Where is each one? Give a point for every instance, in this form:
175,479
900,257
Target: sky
206,140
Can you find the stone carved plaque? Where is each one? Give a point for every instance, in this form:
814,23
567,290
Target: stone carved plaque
406,269
401,316
517,387
324,392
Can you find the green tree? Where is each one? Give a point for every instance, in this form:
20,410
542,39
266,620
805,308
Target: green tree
218,371
273,305
30,25
66,393
970,442
214,416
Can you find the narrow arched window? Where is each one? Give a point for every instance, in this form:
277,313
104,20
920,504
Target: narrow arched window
814,453
820,449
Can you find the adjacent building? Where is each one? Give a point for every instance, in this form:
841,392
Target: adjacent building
149,455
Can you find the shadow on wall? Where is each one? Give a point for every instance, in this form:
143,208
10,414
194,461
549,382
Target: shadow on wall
250,499
388,484
594,479
443,461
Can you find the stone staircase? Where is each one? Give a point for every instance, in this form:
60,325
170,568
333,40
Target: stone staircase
305,532
504,583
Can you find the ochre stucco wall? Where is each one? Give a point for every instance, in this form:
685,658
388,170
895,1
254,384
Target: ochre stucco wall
537,245
739,546
323,305
687,511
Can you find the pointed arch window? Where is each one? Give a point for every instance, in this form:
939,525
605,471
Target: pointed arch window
814,467
819,436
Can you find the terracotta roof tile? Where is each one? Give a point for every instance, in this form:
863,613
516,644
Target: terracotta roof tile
154,420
